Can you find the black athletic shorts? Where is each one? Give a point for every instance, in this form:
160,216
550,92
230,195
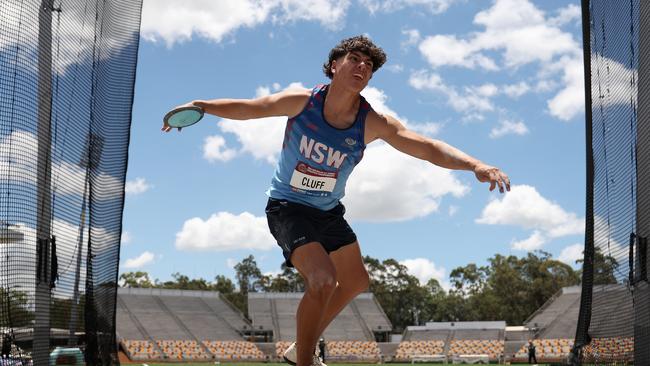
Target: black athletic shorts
293,225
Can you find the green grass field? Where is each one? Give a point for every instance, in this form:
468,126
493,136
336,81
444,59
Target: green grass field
284,364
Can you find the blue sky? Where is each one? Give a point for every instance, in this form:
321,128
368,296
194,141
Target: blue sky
501,80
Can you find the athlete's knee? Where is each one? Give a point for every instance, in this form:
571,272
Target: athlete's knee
322,283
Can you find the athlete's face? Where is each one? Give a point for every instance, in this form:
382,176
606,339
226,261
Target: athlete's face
354,68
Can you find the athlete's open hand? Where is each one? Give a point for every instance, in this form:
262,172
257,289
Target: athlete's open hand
487,173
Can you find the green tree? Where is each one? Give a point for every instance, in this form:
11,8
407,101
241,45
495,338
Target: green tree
15,311
183,282
287,281
249,276
400,294
223,285
136,279
468,280
605,267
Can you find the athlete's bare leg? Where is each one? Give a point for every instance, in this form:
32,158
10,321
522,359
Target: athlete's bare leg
352,279
318,271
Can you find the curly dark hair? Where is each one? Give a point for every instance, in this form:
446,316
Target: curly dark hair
362,44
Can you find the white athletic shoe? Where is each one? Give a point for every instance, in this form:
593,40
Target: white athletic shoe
291,356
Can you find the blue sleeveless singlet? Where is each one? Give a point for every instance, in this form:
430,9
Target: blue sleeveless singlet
317,158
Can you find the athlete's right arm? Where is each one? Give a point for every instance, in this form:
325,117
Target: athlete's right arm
285,103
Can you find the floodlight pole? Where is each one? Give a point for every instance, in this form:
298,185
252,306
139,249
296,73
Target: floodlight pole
41,334
72,339
90,159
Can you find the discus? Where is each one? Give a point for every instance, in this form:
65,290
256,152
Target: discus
183,116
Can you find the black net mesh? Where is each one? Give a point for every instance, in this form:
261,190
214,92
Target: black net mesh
67,72
611,327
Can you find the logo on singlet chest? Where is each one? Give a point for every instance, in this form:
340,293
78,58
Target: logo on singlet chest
320,153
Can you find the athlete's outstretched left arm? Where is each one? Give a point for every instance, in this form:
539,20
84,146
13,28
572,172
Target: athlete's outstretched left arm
389,129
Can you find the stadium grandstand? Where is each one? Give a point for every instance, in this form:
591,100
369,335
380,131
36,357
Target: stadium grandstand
453,341
180,325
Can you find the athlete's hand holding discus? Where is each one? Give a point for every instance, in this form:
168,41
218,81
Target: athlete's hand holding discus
182,116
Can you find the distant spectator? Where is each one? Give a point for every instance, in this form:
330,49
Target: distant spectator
321,349
531,352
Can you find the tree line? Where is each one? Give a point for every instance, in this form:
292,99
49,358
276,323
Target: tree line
507,288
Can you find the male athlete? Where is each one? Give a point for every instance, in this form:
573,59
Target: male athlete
327,130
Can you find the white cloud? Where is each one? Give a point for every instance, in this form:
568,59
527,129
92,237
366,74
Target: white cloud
516,90
19,159
173,21
72,42
604,232
261,137
447,50
535,241
413,37
473,99
215,149
377,190
513,26
139,261
433,6
126,238
329,13
486,90
523,206
569,13
429,128
225,231
570,101
424,269
571,254
506,127
453,210
510,27
137,186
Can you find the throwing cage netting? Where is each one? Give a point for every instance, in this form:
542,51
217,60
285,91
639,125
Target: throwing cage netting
614,321
67,72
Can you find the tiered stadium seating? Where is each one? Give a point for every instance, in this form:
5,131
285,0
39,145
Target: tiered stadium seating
547,350
610,349
372,313
407,349
356,322
558,317
141,350
175,350
280,347
491,347
234,350
352,351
